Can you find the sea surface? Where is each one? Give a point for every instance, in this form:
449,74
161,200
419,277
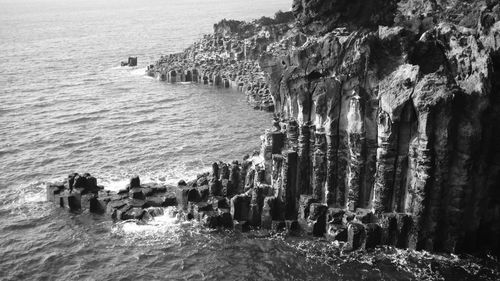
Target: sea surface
67,106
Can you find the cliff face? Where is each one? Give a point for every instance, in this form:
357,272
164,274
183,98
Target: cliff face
386,130
394,107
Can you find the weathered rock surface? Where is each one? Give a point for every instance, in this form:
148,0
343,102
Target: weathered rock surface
228,58
387,120
400,99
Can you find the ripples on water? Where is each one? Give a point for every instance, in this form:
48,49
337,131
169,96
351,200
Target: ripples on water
66,106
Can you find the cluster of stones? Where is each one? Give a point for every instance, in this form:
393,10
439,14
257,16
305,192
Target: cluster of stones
136,201
223,59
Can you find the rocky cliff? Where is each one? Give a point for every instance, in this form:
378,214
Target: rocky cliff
386,130
228,58
393,107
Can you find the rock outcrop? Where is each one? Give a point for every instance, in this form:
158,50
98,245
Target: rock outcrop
396,108
228,58
387,120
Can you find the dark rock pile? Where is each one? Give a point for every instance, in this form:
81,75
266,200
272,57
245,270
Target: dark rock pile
137,201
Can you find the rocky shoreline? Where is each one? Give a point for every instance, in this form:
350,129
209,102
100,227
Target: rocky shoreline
385,133
228,58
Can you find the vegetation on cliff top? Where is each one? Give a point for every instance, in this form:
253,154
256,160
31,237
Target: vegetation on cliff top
246,29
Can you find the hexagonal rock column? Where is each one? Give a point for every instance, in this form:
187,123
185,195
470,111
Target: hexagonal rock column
317,219
289,185
356,236
240,207
269,212
319,167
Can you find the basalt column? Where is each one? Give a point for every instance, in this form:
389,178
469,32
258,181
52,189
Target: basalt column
289,185
312,141
458,192
421,155
355,139
343,155
319,166
267,154
195,75
370,150
234,179
441,150
276,179
407,134
243,174
386,157
332,142
172,76
304,163
292,135
188,76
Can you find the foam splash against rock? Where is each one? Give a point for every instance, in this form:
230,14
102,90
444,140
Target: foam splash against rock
385,129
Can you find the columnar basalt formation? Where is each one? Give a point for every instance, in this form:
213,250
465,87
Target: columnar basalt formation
403,98
386,123
227,58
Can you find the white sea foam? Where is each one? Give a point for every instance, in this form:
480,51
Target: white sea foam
138,71
165,228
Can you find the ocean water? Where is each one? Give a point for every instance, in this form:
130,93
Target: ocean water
66,105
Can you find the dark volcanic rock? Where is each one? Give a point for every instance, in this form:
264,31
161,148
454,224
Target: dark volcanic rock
385,131
404,93
240,207
137,193
356,236
135,182
320,16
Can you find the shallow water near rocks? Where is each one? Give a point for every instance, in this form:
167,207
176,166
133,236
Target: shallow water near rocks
66,105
